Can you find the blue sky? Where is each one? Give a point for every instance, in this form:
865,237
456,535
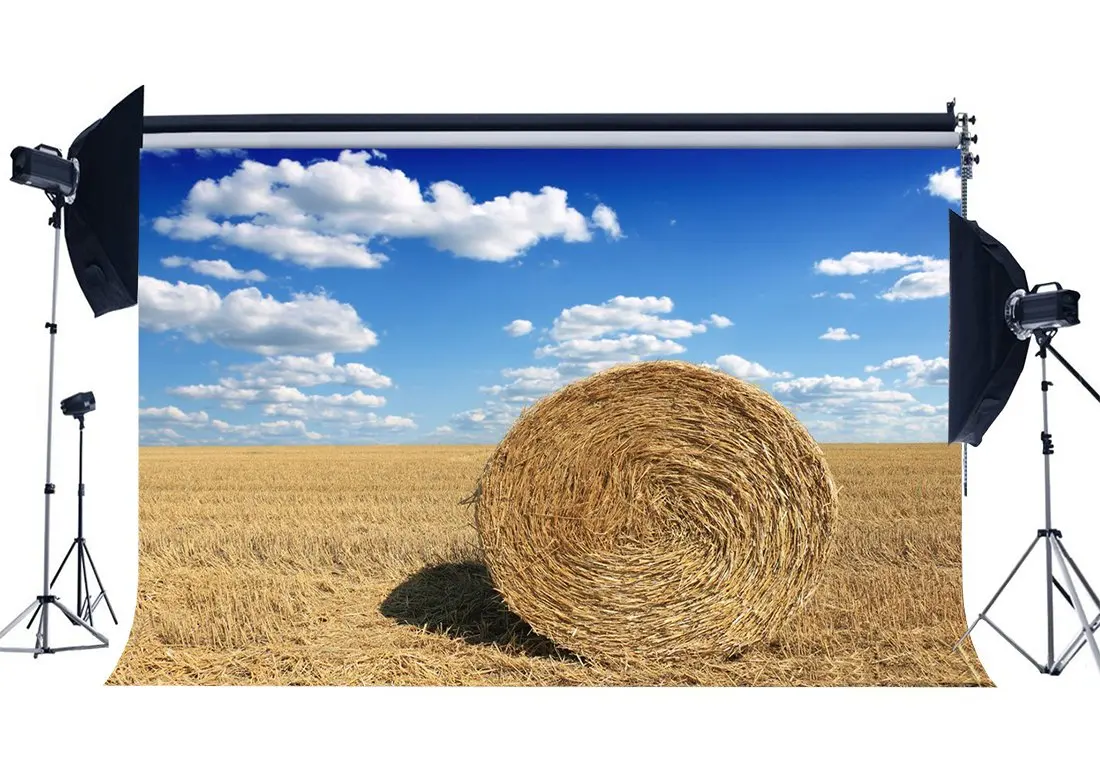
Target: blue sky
418,296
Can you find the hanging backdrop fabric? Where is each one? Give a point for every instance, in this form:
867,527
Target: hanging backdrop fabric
334,344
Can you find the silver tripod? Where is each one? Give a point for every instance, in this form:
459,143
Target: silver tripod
1055,550
42,604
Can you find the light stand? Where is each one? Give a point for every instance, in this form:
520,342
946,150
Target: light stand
1055,549
46,600
85,604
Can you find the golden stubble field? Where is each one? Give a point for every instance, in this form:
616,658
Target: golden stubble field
360,566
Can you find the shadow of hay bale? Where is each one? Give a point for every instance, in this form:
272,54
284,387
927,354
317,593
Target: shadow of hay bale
457,599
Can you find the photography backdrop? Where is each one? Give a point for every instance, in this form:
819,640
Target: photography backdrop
426,296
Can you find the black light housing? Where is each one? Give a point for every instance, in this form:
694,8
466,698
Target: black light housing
45,168
78,404
1029,312
986,356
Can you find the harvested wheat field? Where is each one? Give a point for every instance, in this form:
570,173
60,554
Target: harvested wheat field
361,566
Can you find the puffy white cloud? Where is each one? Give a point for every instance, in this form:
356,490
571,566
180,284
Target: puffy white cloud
307,371
174,414
859,263
843,398
622,314
627,348
291,402
231,397
216,268
492,418
518,327
846,296
585,339
838,333
608,221
325,214
746,370
275,428
822,294
933,282
946,184
919,372
928,276
527,384
249,320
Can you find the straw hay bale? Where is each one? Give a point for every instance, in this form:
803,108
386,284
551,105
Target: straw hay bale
656,510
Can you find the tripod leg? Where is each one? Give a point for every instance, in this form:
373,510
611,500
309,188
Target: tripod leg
62,565
33,617
78,621
95,572
1080,641
1077,571
996,596
19,619
1086,626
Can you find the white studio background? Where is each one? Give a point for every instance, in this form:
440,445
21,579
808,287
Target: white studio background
1023,75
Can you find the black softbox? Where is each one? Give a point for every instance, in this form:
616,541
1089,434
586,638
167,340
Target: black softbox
986,358
101,225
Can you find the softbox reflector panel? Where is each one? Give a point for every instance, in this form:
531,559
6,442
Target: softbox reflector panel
101,225
985,357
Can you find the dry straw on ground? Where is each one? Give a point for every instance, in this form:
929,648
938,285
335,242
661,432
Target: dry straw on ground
656,511
356,565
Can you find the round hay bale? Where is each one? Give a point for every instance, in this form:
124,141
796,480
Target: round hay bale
656,510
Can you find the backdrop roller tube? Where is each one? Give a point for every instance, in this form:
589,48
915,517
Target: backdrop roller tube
710,122
547,139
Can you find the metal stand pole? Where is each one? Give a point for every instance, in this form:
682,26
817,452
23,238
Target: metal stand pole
43,602
85,604
1054,550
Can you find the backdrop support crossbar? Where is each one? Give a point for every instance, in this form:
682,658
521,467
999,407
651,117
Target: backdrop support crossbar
1054,550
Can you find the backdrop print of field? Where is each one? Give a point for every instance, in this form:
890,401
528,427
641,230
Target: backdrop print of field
547,417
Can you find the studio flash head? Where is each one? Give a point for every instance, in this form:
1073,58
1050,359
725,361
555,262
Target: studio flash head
78,404
45,168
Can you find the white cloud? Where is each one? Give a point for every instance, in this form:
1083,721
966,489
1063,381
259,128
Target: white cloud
606,219
276,428
627,348
326,214
622,314
518,327
527,384
933,282
846,296
822,294
174,414
216,268
584,339
929,276
867,262
946,184
840,393
307,371
492,418
919,372
248,320
745,369
838,333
